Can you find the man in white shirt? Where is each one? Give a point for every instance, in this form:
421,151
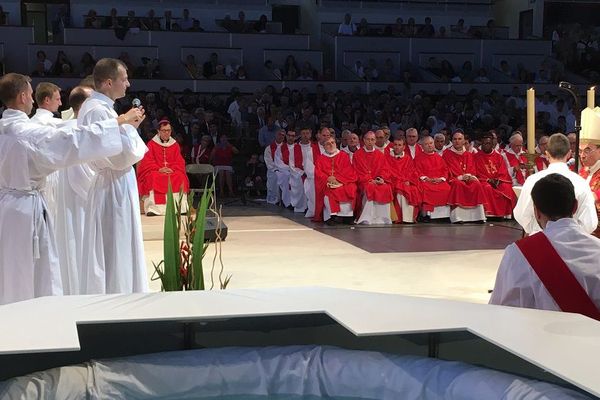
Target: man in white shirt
47,97
558,153
113,259
562,257
347,27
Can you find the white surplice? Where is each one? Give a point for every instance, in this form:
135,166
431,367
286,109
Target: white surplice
46,118
71,197
586,209
518,285
113,247
273,196
28,154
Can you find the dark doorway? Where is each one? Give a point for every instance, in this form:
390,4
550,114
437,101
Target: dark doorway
48,18
526,24
289,16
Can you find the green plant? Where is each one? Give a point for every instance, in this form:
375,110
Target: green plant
182,265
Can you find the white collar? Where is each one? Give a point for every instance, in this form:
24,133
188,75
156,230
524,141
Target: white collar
44,113
559,225
558,165
369,151
169,143
397,155
103,98
456,151
594,168
332,155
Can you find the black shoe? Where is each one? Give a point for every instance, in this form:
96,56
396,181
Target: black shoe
331,222
348,220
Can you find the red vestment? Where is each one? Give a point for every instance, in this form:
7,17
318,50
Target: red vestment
404,178
514,161
161,155
541,163
370,165
462,193
501,200
340,167
418,150
431,165
595,186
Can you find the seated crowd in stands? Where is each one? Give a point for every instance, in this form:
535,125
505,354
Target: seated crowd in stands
577,46
412,29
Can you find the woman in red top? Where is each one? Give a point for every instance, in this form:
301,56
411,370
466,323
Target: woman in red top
202,151
221,157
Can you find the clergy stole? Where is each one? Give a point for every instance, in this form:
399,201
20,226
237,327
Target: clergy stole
556,276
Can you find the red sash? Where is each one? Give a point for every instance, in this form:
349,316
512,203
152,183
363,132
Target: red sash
556,276
298,157
285,152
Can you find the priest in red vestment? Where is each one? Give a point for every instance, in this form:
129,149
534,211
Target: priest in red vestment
466,194
335,186
541,161
433,175
590,158
405,182
162,163
496,182
515,159
374,183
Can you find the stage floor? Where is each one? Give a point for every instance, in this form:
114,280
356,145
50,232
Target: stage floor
268,246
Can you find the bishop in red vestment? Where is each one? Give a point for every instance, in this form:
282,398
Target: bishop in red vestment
405,182
374,182
496,182
162,164
335,185
433,175
466,194
590,158
515,159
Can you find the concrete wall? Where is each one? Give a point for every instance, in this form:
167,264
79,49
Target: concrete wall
506,12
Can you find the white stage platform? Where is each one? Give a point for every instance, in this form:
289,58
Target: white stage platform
564,345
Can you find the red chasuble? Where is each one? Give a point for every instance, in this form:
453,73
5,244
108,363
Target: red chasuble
404,178
595,186
514,161
340,167
462,194
432,166
161,155
370,165
500,201
541,163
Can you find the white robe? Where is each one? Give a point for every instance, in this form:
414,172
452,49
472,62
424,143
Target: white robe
28,154
113,257
518,285
308,165
71,197
282,171
46,118
272,186
586,210
297,193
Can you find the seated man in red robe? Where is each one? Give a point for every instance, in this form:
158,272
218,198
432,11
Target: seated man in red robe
162,163
405,182
374,183
466,194
541,161
335,186
515,159
433,175
496,182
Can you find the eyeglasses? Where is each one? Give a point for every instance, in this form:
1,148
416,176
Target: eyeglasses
587,150
165,130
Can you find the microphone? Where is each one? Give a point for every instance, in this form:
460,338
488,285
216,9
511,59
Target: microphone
136,103
565,85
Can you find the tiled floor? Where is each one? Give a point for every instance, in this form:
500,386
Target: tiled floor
271,247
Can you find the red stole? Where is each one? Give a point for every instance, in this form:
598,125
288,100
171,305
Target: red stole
556,276
541,163
514,162
299,157
285,152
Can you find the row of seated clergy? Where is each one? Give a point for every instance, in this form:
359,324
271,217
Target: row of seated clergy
162,165
390,186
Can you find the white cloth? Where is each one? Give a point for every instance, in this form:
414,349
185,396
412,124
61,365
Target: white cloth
46,118
408,211
28,153
282,171
272,185
71,197
280,372
586,210
297,194
345,209
113,259
374,213
151,208
470,214
517,284
308,165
